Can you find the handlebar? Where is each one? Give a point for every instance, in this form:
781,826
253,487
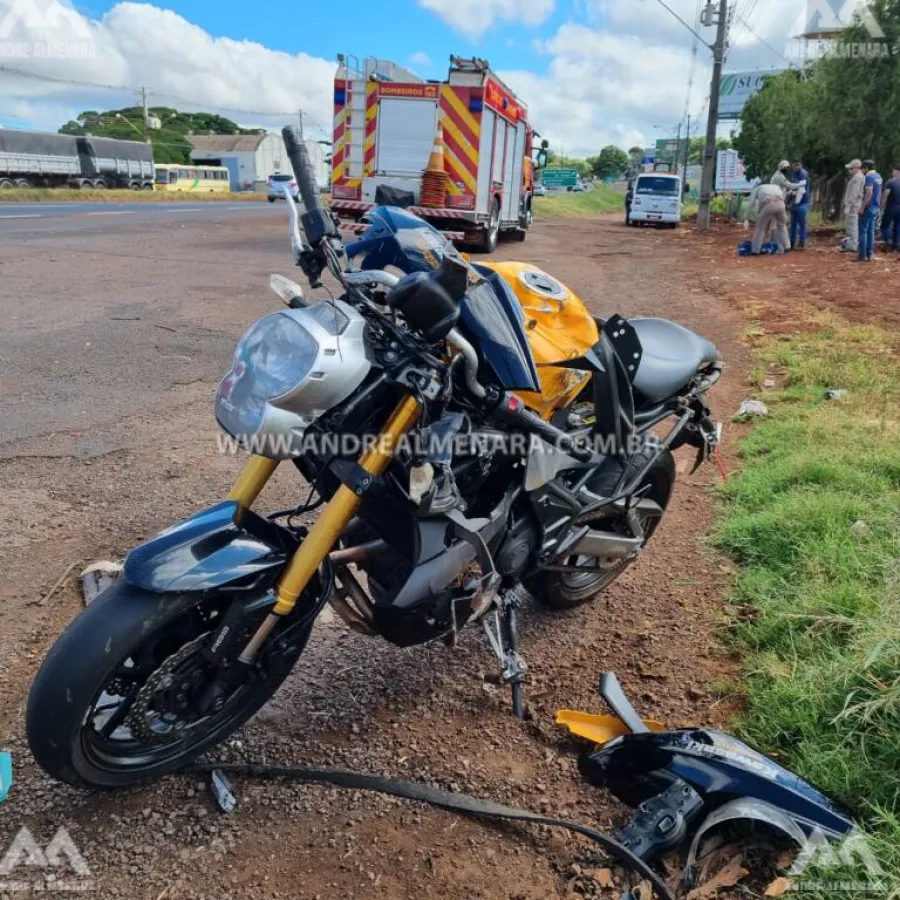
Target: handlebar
303,170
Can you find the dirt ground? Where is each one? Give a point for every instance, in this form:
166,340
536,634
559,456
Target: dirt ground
112,344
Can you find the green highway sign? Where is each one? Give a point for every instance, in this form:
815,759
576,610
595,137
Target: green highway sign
555,178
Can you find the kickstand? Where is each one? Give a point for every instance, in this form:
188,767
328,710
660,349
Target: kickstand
503,636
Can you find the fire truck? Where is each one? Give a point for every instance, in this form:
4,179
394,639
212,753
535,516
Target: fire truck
392,129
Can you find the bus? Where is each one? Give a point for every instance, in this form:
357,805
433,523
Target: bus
176,177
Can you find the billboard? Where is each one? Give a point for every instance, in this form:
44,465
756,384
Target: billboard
730,175
737,88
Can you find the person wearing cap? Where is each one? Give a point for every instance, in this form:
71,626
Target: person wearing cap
799,205
782,178
890,213
868,210
853,195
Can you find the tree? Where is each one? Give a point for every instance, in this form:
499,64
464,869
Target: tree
170,143
839,107
695,151
610,162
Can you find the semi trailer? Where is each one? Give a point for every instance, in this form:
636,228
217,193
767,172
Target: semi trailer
44,159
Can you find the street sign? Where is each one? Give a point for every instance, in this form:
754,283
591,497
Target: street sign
557,178
669,150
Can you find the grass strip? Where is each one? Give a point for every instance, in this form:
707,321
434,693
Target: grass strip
813,516
602,198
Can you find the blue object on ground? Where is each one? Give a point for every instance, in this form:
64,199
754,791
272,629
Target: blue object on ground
6,775
745,248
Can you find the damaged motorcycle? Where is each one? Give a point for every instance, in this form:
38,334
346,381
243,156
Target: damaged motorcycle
465,429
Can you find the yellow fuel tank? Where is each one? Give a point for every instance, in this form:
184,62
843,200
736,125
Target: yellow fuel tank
558,326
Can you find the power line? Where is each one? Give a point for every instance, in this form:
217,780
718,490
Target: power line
124,88
765,43
672,12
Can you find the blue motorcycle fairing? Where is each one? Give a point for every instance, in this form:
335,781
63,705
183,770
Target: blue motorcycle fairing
490,312
218,546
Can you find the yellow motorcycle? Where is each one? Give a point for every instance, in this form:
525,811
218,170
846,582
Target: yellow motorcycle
464,428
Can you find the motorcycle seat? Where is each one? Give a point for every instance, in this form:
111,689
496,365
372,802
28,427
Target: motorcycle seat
672,355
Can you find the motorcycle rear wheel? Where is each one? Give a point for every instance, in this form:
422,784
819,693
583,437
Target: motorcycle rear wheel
77,727
565,590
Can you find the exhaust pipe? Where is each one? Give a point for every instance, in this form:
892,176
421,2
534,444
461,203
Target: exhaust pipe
606,547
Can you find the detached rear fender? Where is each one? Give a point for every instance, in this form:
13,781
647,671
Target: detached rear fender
211,549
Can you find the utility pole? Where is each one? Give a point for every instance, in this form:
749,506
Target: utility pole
146,115
687,151
677,147
709,151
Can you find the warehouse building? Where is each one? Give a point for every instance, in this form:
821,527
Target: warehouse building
252,158
249,158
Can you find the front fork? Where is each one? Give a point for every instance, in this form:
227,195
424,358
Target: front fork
330,524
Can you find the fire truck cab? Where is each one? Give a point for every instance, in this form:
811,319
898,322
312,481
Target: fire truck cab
391,126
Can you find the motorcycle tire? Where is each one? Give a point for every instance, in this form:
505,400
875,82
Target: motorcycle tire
90,660
563,590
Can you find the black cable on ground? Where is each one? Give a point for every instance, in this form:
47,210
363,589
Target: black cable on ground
423,793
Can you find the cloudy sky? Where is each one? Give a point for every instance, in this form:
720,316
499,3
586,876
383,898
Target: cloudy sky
592,71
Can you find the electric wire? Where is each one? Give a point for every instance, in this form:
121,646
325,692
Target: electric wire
675,15
764,42
40,76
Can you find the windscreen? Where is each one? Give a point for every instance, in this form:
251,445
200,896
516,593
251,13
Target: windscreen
281,177
657,184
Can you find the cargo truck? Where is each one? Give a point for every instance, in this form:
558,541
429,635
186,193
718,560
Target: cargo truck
44,159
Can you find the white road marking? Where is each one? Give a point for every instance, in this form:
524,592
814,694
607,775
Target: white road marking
23,216
179,210
121,212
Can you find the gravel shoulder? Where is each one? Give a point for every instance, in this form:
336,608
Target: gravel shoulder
112,346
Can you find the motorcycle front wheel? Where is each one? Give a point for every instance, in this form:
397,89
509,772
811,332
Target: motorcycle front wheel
116,700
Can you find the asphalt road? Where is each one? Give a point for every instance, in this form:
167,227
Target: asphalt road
30,218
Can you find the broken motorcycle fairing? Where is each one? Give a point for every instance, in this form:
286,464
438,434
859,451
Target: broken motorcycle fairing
676,777
719,767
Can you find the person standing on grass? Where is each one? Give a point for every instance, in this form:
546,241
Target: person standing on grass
853,195
767,205
799,205
890,213
868,210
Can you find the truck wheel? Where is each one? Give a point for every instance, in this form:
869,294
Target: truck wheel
23,183
147,187
492,230
6,184
99,185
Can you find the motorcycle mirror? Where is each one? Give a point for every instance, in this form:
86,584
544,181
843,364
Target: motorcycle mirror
541,162
289,292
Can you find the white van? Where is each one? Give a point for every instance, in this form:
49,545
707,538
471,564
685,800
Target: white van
656,199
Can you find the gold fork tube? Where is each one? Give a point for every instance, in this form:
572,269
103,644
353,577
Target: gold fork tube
330,524
340,510
257,471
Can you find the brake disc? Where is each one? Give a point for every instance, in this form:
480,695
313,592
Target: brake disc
144,720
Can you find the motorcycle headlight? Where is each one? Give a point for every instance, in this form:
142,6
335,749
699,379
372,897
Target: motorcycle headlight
271,359
289,368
